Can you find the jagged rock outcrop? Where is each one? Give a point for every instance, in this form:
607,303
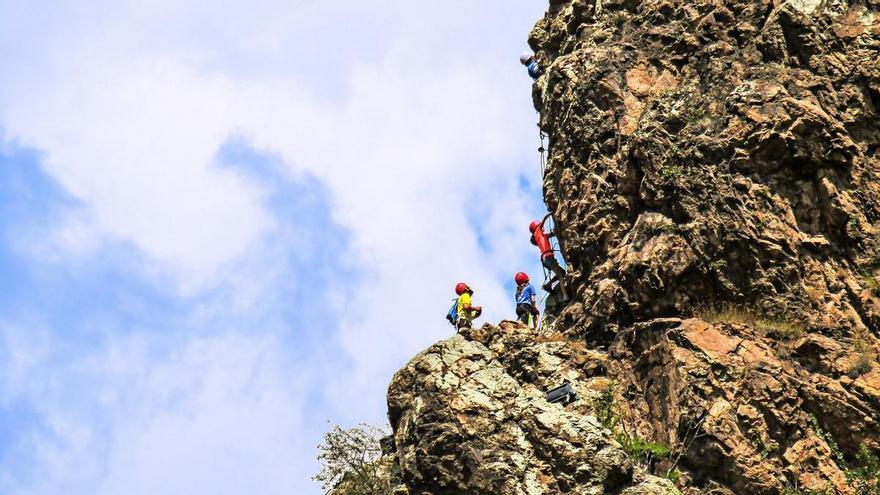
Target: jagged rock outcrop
470,416
714,178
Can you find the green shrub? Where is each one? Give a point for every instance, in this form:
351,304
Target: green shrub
351,461
836,453
670,171
640,449
673,476
606,410
865,477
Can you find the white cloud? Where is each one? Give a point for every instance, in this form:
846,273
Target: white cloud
22,350
136,145
216,415
234,426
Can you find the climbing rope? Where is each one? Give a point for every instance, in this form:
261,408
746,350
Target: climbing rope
542,150
543,162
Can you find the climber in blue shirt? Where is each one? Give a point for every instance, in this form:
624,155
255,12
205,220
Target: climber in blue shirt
526,306
529,61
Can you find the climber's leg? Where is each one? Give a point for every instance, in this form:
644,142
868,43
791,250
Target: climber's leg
523,312
551,264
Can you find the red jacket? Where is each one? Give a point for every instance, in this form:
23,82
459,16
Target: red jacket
542,240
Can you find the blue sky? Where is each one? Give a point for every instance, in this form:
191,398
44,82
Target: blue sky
223,224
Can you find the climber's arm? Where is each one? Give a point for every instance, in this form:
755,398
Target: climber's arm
477,309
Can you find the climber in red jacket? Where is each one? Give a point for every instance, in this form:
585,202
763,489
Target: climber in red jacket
548,260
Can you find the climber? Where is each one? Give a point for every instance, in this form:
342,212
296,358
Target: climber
531,64
548,260
526,307
466,312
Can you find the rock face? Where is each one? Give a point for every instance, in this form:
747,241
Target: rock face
742,416
714,151
714,178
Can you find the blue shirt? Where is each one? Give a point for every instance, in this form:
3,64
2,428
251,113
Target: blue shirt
534,69
525,296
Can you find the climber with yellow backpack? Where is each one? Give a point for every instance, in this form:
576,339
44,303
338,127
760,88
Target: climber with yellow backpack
463,312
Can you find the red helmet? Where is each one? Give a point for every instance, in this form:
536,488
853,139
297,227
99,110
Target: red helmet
461,288
534,226
521,278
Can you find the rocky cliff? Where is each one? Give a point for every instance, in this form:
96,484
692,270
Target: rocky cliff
714,178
